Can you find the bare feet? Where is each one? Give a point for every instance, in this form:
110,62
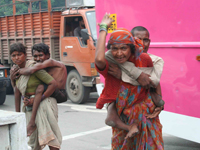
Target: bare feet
132,131
31,128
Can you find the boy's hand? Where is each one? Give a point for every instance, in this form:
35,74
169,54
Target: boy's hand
155,113
107,20
145,81
115,71
28,101
25,71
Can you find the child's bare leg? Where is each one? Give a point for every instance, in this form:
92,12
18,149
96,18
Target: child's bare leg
38,95
113,120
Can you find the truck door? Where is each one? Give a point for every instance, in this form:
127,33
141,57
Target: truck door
75,52
73,48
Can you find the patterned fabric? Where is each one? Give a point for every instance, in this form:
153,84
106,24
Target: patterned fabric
123,36
133,103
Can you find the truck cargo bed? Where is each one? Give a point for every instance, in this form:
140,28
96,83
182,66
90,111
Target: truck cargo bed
30,29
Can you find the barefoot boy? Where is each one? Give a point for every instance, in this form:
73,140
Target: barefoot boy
55,68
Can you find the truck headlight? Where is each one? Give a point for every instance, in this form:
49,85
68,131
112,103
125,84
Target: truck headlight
1,73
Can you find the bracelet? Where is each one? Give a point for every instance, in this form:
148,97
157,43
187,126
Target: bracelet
102,29
159,95
43,97
103,25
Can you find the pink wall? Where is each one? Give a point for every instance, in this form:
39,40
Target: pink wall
166,20
174,28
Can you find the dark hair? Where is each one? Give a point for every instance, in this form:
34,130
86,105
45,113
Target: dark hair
139,28
80,18
132,47
41,47
19,47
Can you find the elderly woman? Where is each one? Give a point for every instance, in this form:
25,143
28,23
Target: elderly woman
47,131
132,103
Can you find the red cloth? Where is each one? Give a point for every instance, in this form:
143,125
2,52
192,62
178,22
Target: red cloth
112,84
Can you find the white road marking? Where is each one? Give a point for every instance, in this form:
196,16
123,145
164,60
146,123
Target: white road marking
85,133
85,108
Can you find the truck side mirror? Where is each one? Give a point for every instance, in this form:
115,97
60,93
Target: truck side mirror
84,34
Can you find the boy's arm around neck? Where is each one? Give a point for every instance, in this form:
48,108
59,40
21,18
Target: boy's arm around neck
39,66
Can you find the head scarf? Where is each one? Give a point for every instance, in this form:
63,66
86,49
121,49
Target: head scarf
123,36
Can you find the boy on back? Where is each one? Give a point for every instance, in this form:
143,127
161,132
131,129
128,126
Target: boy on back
55,68
137,76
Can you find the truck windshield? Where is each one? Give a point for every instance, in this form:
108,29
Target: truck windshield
91,17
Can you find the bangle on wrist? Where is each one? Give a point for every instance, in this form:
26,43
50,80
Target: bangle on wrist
159,95
43,97
103,27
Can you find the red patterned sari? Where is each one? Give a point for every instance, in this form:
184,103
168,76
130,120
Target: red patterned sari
133,103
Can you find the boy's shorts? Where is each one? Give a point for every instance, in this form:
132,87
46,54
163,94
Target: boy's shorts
59,94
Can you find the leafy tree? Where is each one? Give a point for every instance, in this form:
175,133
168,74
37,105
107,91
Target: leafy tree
22,8
5,10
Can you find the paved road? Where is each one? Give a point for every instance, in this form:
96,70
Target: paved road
83,127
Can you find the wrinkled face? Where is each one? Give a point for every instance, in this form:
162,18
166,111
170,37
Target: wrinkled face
144,36
40,56
18,58
120,52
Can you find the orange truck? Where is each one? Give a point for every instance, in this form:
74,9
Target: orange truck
56,29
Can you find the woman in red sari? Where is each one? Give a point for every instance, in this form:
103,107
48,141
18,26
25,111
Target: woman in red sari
132,102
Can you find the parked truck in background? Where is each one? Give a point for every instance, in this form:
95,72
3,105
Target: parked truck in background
56,29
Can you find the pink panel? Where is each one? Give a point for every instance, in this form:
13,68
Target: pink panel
180,80
166,20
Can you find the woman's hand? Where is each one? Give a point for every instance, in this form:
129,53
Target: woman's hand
100,60
107,20
14,72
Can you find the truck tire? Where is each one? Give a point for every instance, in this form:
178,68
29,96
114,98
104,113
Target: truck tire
9,89
3,96
76,92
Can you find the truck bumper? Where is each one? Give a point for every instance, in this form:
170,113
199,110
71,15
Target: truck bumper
90,81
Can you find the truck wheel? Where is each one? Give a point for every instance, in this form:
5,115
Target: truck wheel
3,96
76,92
9,89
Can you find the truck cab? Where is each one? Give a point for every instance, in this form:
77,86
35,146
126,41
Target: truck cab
78,52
